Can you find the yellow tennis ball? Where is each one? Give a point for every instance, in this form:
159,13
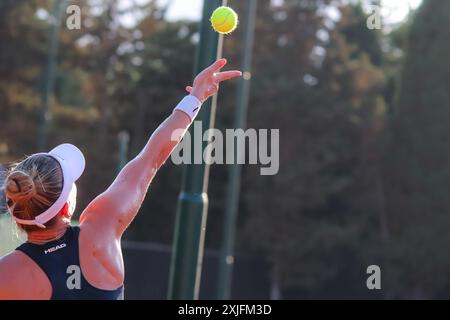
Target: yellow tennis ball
224,20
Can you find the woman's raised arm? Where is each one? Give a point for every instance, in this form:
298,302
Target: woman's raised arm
114,210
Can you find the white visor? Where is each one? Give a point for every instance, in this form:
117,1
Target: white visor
72,164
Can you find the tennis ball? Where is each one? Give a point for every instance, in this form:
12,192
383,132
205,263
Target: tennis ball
224,20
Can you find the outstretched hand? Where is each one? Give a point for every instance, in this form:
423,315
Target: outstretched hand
206,84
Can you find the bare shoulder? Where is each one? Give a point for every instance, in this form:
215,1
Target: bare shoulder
94,235
12,261
101,258
20,278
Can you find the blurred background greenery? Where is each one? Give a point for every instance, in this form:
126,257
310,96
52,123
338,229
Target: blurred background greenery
363,116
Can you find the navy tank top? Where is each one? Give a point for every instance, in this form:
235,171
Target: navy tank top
60,260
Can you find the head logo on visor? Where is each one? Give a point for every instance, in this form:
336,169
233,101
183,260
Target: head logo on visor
72,164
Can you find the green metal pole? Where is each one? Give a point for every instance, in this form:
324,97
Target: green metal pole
49,75
226,261
190,225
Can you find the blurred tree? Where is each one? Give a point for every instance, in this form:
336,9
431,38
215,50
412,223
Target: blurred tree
327,93
416,167
395,48
354,29
23,37
7,5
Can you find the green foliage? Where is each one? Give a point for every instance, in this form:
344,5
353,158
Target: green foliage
417,171
314,212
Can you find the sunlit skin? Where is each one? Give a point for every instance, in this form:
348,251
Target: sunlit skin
105,219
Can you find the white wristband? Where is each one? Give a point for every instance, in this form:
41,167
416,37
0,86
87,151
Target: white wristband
189,105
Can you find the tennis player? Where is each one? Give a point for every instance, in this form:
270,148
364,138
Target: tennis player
59,261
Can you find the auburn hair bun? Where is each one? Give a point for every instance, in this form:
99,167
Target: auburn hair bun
20,186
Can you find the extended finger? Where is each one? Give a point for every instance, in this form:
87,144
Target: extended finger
189,89
216,66
227,75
